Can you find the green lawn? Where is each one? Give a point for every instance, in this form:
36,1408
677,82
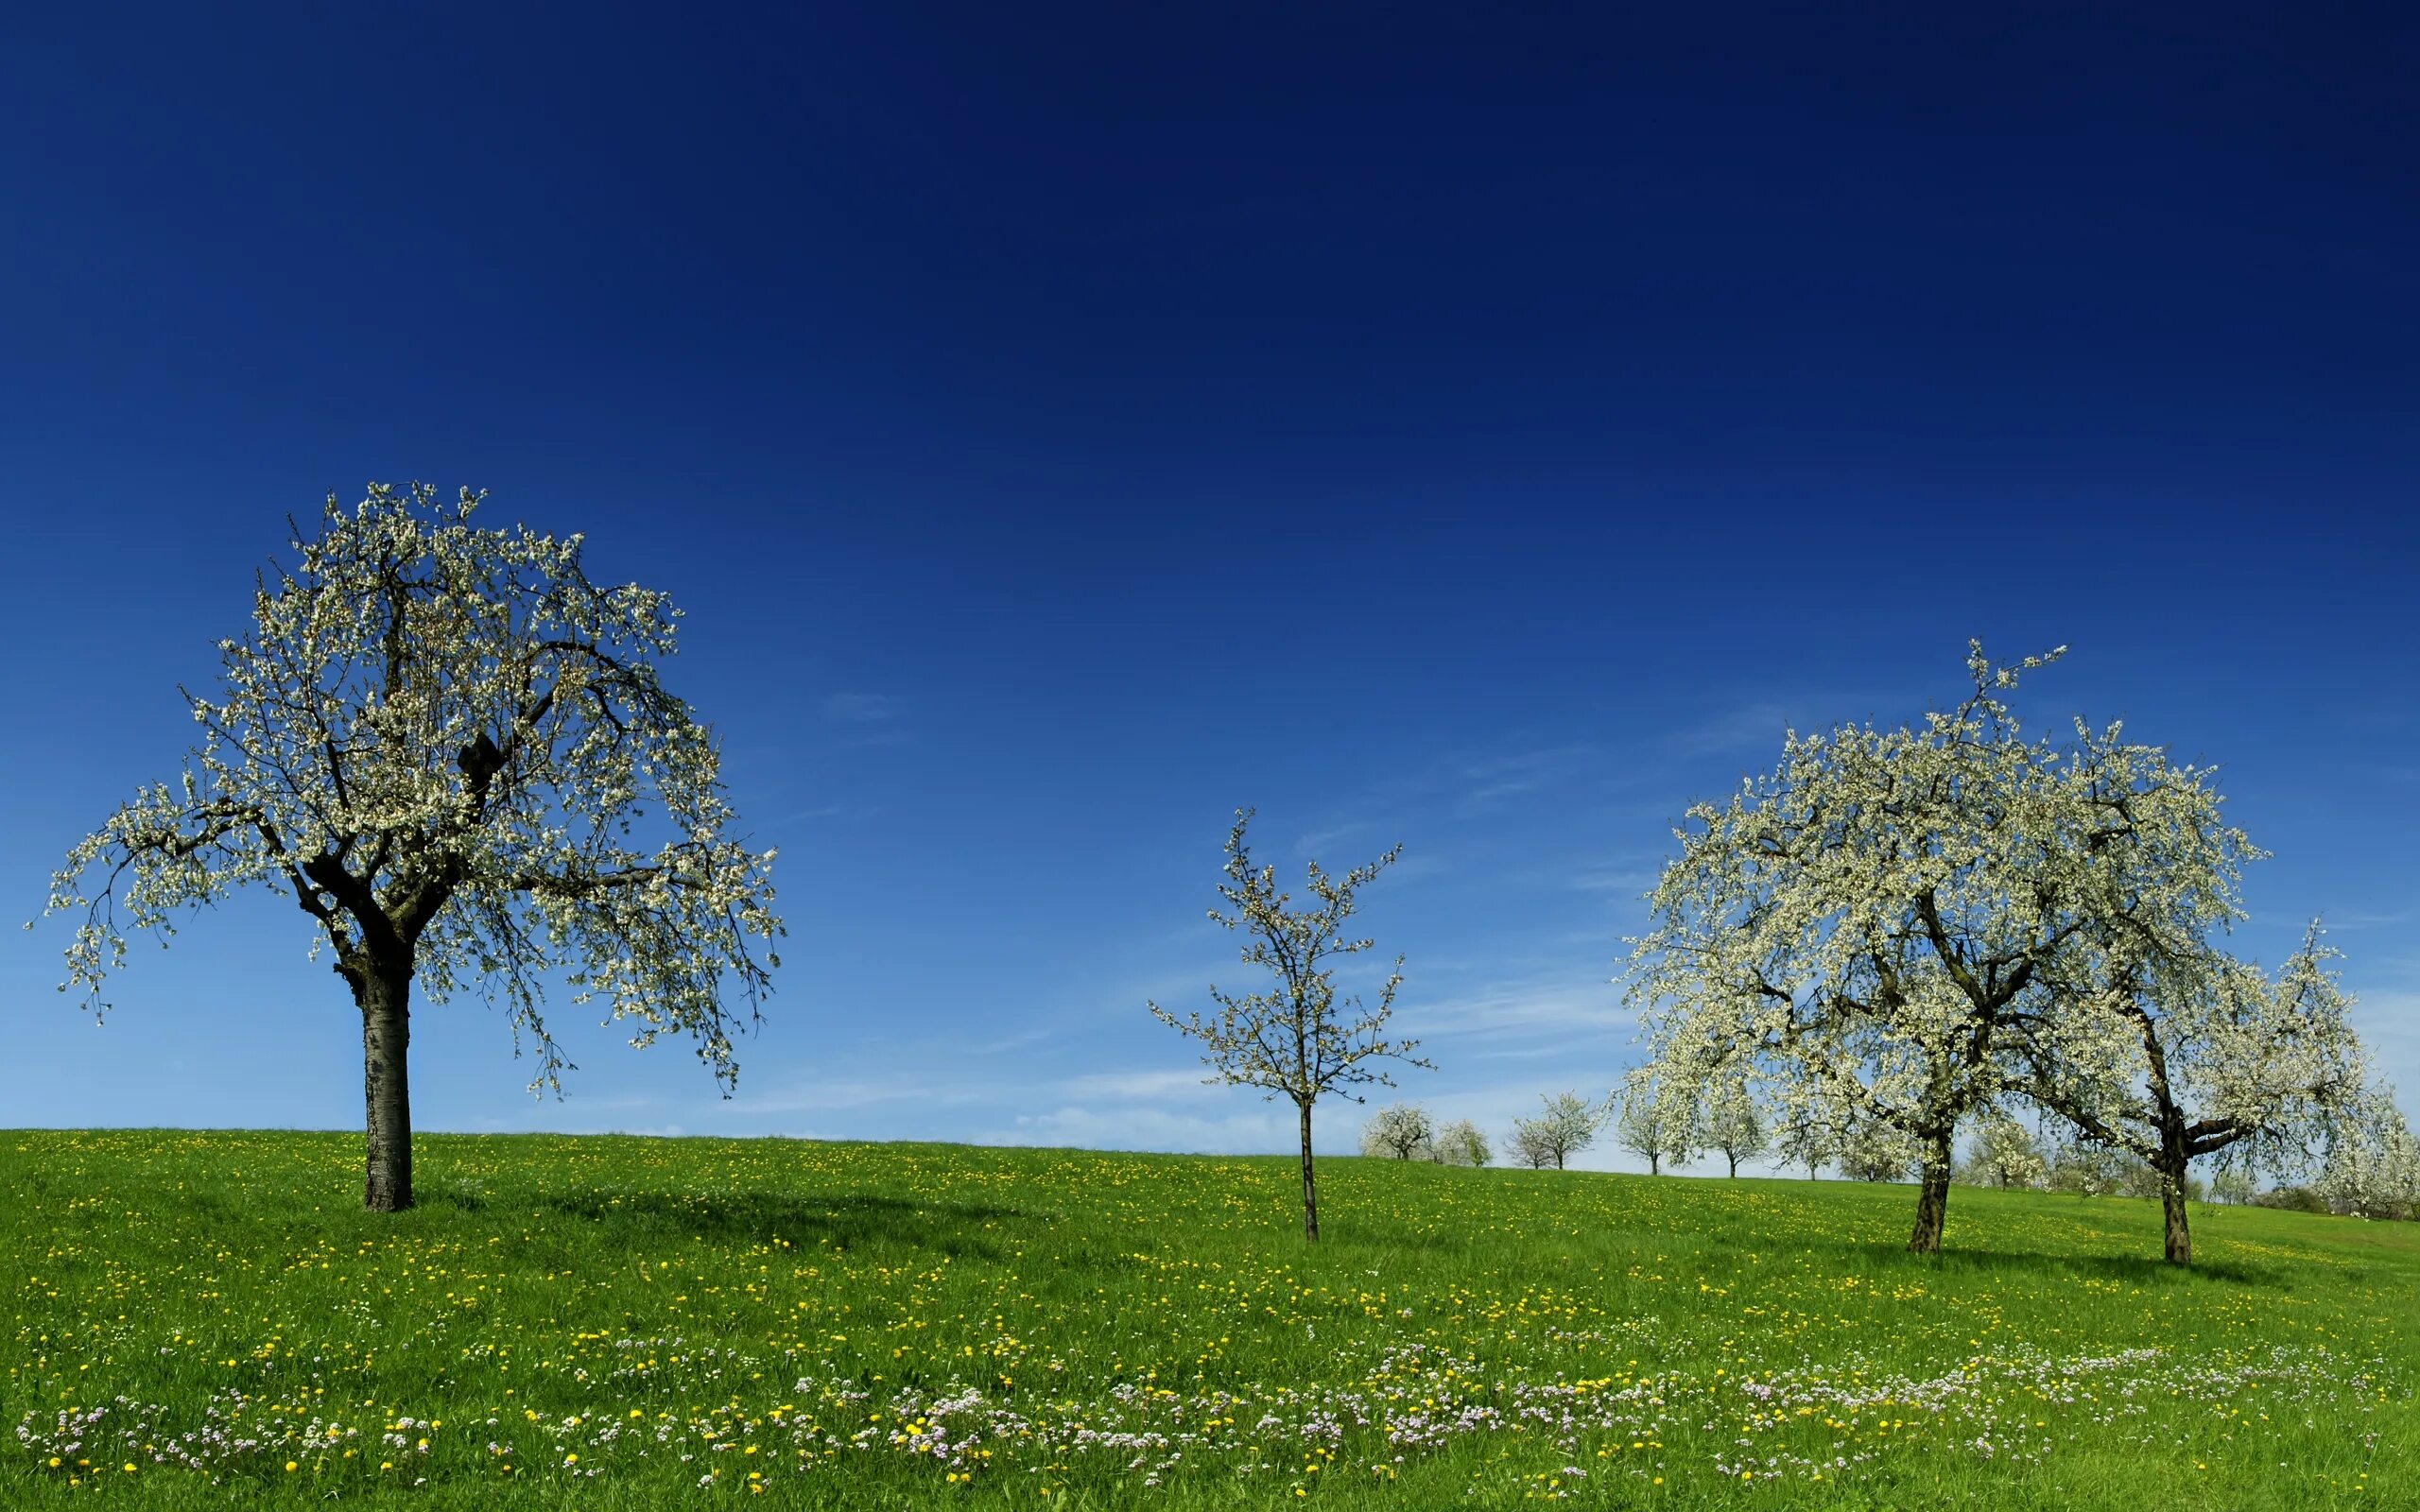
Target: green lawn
602,1323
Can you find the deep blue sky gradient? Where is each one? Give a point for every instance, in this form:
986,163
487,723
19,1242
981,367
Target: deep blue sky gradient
1481,427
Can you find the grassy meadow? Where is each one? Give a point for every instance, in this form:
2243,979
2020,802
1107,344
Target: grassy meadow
621,1322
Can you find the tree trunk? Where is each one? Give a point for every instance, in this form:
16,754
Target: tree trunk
2171,1166
1310,1184
1558,1160
385,997
1734,1165
1655,1165
1933,1201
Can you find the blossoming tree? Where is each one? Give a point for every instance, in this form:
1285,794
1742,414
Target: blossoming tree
1296,1041
2005,1152
1733,1126
1459,1143
2184,1052
2374,1165
1863,924
438,740
1398,1130
1565,1125
1655,1117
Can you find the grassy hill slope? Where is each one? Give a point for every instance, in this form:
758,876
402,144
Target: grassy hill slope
608,1322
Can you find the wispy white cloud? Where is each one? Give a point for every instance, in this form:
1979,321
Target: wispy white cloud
1758,724
1136,1086
1634,880
862,707
821,810
1566,1004
2363,919
1312,842
1256,1129
912,1084
1491,780
865,718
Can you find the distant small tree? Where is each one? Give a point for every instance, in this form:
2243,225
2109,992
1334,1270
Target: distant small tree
1459,1142
1656,1118
435,739
1566,1127
1398,1130
2006,1154
2374,1169
2232,1186
1733,1126
2291,1199
1297,1040
2082,1168
1529,1148
1875,1151
1805,1135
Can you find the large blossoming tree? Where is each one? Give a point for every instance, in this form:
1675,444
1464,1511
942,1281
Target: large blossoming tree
452,751
1863,925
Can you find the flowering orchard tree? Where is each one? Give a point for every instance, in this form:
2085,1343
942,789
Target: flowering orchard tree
1868,922
1566,1126
1459,1143
1655,1118
1399,1131
2005,1152
436,739
1875,1151
1297,1040
1733,1125
1805,1135
2372,1167
2176,1051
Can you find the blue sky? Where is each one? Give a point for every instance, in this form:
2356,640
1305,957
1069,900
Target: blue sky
1063,426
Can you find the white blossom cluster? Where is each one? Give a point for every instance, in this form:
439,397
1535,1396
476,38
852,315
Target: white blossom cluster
452,749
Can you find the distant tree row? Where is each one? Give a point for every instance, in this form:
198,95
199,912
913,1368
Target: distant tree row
2001,1152
1405,1131
1565,1125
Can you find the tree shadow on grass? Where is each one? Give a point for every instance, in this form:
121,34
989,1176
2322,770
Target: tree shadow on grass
840,1221
2133,1270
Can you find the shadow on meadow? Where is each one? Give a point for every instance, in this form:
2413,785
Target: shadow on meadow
840,1221
2131,1270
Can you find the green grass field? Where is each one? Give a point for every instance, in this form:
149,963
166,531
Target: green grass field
601,1323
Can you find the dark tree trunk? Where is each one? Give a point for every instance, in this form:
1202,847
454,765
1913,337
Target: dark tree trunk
2172,1167
1654,1163
1932,1200
1310,1184
385,997
1734,1165
1558,1160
